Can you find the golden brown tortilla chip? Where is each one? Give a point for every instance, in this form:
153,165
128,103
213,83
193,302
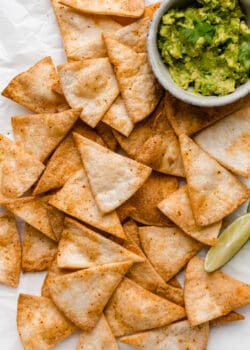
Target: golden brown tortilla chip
133,309
91,85
76,199
228,141
178,209
33,89
179,336
38,250
57,87
40,324
40,134
106,133
213,191
231,317
82,295
148,12
168,248
131,229
211,295
134,72
10,251
113,178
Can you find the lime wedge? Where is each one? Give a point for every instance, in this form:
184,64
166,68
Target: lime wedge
228,243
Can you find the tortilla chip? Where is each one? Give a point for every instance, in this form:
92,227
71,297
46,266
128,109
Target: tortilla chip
154,143
100,338
228,141
57,87
40,324
188,119
106,133
213,191
142,207
211,295
175,283
10,251
168,248
90,85
176,336
97,283
65,161
40,134
178,209
129,8
33,89
38,250
148,12
117,117
131,230
231,317
81,248
139,88
113,178
133,309
81,33
76,199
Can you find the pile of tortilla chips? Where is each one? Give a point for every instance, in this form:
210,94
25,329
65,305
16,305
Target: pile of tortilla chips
114,228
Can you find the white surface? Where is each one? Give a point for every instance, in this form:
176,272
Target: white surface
28,33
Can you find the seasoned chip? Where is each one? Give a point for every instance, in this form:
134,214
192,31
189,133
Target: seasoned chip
231,317
40,324
228,141
38,250
211,295
179,336
214,192
76,199
82,33
10,251
168,248
113,178
90,85
106,133
133,308
131,229
139,88
82,295
33,89
178,209
128,8
100,338
18,169
39,134
148,12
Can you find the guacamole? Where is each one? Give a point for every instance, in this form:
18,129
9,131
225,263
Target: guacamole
206,46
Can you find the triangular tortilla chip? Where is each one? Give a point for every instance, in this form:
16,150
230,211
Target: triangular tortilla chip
148,12
231,317
100,338
134,72
133,308
113,178
131,229
228,141
129,8
213,191
177,336
33,89
188,119
40,324
90,85
211,295
154,143
38,250
142,206
81,247
18,169
117,117
178,209
10,251
76,199
144,274
82,33
168,248
40,134
65,161
82,295
106,133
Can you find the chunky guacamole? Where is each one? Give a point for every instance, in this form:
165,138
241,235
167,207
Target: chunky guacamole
206,46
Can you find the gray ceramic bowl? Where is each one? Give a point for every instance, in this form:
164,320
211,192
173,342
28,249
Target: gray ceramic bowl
161,70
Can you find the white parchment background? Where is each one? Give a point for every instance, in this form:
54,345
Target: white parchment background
28,32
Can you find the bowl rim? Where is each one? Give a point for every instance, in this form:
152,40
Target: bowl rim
161,70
